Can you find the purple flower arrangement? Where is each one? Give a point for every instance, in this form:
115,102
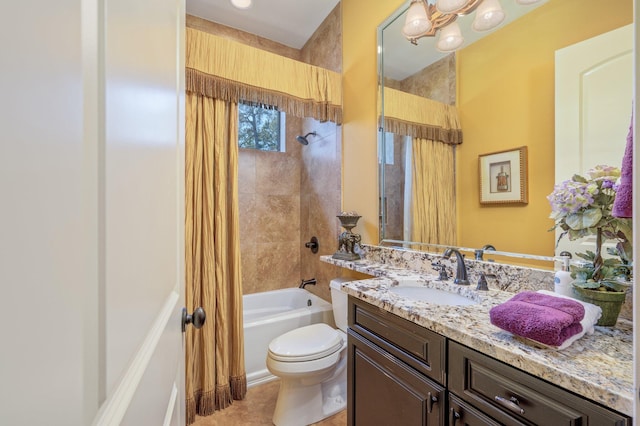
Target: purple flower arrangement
580,207
582,204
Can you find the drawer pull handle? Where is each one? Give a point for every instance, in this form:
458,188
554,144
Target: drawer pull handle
510,404
453,417
432,400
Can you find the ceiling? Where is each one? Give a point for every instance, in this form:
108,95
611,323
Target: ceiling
290,22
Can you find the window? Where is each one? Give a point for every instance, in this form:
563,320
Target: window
261,127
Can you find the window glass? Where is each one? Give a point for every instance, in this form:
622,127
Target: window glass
260,127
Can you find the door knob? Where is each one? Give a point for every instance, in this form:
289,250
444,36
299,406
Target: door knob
197,319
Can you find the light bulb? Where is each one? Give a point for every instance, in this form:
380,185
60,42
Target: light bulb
450,6
241,4
488,15
417,21
450,38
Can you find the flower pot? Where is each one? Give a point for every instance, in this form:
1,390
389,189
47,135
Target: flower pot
610,302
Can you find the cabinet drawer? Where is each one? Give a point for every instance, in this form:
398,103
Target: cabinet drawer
423,349
514,397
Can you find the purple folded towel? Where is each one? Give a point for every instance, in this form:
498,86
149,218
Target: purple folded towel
540,317
623,204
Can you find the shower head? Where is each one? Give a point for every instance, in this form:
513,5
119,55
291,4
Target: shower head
303,139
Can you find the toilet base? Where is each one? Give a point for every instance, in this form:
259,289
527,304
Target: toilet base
300,403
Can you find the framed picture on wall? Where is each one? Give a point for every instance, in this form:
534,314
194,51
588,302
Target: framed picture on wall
503,177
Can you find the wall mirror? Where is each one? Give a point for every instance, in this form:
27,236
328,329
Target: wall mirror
503,86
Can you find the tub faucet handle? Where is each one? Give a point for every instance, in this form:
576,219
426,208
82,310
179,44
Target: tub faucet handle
312,245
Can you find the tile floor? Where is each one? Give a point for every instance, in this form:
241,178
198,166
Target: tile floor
256,410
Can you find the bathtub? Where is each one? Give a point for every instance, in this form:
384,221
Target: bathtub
271,313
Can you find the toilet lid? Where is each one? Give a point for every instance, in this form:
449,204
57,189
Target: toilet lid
306,343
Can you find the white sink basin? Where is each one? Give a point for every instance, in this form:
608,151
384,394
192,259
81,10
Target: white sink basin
431,295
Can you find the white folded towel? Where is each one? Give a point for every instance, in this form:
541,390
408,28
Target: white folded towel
592,314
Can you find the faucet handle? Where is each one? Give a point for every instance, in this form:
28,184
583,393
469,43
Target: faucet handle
442,276
478,254
482,282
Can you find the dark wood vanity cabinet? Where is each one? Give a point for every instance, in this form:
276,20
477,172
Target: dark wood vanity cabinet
400,373
396,370
388,392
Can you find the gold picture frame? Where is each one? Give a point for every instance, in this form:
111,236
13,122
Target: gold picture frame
503,177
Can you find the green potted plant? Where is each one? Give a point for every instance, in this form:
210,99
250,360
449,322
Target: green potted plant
581,207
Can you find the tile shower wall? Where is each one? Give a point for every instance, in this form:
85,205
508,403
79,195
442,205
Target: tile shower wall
320,202
269,196
285,198
394,189
437,81
320,185
324,47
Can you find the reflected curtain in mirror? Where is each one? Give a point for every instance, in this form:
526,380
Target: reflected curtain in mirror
434,129
433,206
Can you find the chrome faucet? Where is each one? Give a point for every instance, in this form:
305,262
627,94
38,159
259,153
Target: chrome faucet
461,271
304,283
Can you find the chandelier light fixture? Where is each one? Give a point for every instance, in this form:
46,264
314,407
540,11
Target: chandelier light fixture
426,20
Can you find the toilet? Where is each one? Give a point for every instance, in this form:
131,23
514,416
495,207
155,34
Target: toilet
311,363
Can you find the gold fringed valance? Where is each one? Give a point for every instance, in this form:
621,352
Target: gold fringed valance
423,131
419,117
224,69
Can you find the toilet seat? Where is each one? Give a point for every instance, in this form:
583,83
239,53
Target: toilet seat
307,343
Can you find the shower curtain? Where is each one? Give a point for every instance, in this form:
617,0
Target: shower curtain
214,355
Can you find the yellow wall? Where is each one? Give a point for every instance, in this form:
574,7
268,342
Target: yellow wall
360,19
506,100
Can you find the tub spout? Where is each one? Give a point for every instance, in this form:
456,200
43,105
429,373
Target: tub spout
304,283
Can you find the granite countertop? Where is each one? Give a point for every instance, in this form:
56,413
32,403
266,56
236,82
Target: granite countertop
598,367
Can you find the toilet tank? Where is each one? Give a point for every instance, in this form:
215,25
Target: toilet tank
339,302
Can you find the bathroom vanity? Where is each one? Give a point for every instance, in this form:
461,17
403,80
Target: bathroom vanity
401,373
412,362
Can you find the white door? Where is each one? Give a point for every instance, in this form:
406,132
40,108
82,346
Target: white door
594,93
91,224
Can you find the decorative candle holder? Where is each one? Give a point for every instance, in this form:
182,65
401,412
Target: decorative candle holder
347,241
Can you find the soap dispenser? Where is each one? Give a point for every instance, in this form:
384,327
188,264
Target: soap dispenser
562,279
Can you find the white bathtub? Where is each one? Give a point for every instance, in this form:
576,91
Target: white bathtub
272,313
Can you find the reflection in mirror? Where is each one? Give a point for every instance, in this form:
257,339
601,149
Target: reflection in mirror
502,88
